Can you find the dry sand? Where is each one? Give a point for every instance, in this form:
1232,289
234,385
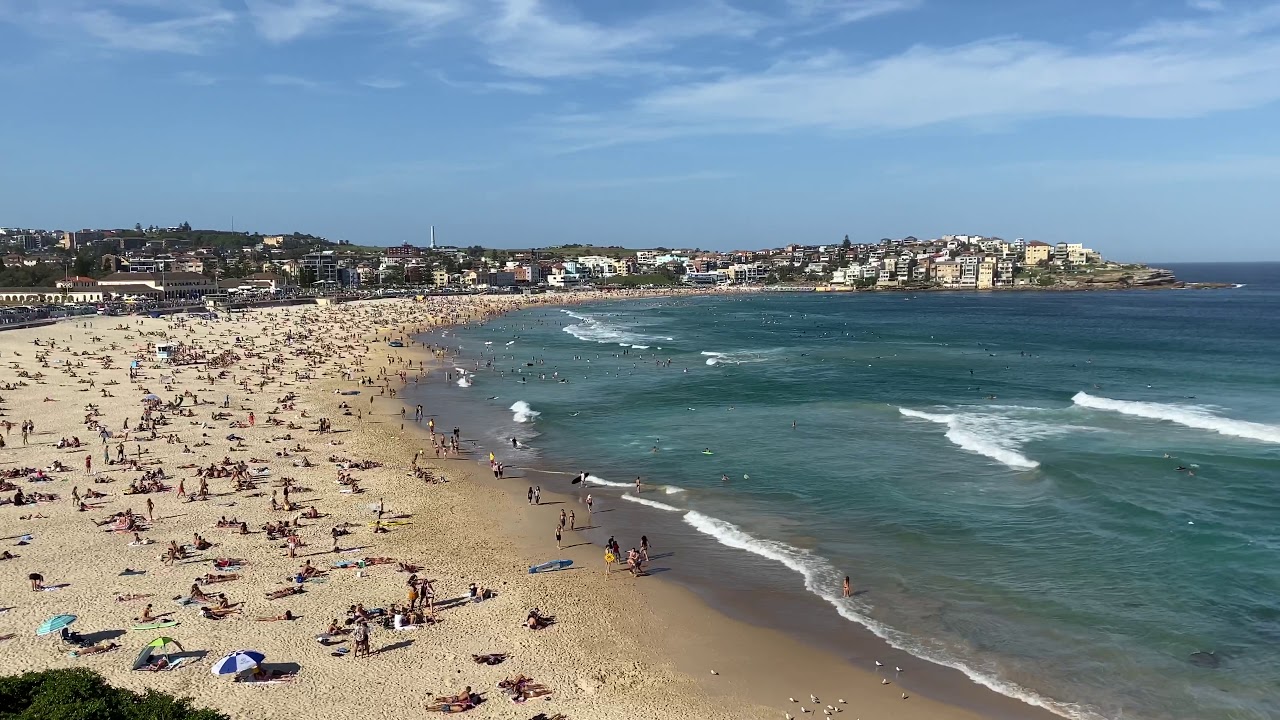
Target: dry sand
620,647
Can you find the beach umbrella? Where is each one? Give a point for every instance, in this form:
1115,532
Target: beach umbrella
237,662
150,396
55,623
161,644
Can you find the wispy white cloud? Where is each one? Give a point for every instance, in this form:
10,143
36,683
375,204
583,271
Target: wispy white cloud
1206,5
293,81
843,12
164,26
1219,64
520,87
1221,26
285,20
533,39
381,83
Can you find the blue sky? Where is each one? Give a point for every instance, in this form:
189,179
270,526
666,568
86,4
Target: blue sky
1143,128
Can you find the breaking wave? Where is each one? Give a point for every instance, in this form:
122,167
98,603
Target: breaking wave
1192,416
822,579
522,413
987,435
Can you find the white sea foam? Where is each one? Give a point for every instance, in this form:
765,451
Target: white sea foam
598,330
968,431
672,489
523,413
736,357
650,503
464,380
823,580
1192,416
607,483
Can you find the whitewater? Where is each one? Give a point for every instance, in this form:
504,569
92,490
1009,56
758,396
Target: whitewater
1191,416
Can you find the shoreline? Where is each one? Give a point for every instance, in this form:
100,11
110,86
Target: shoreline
819,656
617,650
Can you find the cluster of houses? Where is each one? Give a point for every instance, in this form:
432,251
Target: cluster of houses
155,269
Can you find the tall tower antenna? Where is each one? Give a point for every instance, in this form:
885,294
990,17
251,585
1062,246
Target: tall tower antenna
433,237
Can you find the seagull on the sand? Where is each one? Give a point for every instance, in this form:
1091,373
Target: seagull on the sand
879,664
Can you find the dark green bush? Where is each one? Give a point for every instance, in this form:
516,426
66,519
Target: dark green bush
81,694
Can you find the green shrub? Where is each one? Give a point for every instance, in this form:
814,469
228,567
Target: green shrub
81,694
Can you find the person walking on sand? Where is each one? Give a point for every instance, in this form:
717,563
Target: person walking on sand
151,507
537,494
573,524
562,518
590,503
88,464
609,560
530,494
559,535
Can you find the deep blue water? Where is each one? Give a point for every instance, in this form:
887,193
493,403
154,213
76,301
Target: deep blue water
999,472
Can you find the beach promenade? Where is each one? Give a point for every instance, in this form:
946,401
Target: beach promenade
264,492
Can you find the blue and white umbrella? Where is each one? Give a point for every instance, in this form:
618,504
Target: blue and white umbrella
237,662
54,624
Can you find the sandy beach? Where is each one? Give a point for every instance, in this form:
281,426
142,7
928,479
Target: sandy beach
236,422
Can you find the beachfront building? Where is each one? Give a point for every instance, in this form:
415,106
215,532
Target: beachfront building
439,277
158,284
563,276
601,266
323,263
947,273
986,278
746,273
1005,268
1037,252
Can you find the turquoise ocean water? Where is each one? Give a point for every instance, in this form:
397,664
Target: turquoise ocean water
999,472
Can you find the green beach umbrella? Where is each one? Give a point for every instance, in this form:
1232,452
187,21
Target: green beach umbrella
55,623
161,644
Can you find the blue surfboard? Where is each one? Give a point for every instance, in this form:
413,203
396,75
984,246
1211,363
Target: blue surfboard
550,565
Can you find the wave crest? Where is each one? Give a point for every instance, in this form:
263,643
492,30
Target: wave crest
523,413
1192,416
650,503
967,431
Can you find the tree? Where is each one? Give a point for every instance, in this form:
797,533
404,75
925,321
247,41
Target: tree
81,694
846,244
185,227
137,227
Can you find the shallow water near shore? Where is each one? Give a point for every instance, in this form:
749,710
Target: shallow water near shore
990,469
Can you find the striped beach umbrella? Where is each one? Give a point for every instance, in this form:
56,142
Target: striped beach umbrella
237,662
55,623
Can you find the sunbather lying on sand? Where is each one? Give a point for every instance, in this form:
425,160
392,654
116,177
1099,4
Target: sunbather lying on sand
273,618
461,702
210,578
209,613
